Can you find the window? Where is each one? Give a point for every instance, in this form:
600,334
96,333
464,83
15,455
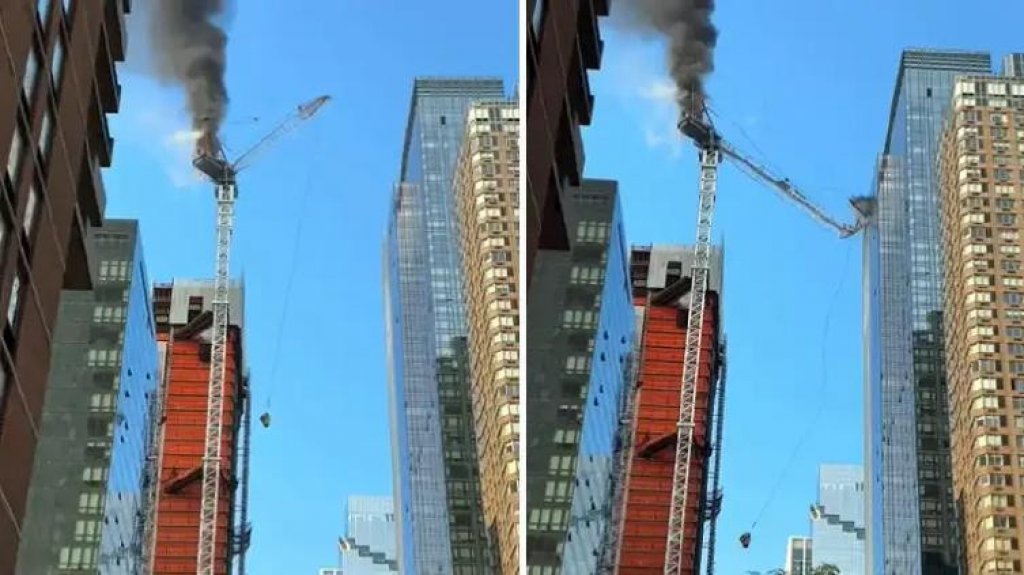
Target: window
990,459
577,364
46,134
982,348
57,68
14,304
30,211
14,156
538,16
995,501
984,384
28,83
43,10
986,403
990,441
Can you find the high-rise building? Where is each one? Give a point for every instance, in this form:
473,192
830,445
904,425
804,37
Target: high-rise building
1013,65
86,491
184,321
837,526
487,201
799,557
982,181
371,544
661,283
910,508
55,83
580,324
563,42
436,472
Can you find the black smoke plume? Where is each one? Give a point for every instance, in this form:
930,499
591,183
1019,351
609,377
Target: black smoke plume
189,48
686,24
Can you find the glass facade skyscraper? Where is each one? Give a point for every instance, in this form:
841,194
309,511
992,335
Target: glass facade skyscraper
598,223
85,498
581,324
838,529
437,479
909,486
370,544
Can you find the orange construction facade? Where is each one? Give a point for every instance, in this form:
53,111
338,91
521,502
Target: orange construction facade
649,483
187,372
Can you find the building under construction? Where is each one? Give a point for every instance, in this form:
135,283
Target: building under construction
661,294
183,324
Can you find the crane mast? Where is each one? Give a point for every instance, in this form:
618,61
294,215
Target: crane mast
223,175
710,157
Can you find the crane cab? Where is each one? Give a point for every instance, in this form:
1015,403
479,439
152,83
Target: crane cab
209,160
694,124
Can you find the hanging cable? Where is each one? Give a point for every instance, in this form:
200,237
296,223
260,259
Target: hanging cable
296,244
823,392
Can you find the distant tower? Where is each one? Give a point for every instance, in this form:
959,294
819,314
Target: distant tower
838,527
370,546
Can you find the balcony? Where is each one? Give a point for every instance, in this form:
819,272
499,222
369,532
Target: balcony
107,86
101,145
589,34
113,20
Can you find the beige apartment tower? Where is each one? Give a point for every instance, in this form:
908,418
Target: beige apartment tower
981,171
487,196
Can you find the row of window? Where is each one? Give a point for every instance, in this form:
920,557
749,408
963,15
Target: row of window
1009,298
995,402
982,218
996,440
996,384
992,88
988,314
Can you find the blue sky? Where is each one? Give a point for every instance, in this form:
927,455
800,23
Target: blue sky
326,389
804,85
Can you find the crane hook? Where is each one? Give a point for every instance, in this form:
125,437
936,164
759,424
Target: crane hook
745,540
265,419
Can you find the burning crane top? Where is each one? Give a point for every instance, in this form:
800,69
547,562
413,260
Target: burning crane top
189,47
686,24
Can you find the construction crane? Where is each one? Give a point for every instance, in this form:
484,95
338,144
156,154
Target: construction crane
211,161
696,124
